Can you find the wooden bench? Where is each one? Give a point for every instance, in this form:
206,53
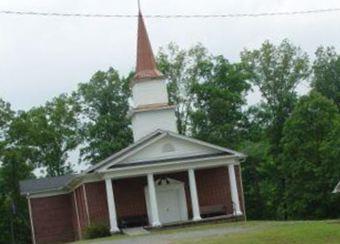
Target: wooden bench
213,210
133,221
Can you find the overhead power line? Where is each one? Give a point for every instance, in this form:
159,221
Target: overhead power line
162,16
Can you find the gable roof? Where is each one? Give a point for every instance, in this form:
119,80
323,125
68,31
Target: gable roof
61,183
45,184
123,151
154,137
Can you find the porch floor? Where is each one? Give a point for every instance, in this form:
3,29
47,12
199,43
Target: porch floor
216,219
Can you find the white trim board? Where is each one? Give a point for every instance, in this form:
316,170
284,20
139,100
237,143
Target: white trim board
178,166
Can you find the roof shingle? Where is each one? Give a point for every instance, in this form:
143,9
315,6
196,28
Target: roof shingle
44,184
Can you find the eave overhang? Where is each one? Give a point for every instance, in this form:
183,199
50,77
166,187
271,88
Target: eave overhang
140,168
170,166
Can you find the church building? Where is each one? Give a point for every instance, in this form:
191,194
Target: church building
160,180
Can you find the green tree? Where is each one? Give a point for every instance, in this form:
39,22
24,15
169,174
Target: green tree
48,134
104,101
326,70
218,115
13,168
6,115
258,187
183,68
311,158
14,221
276,72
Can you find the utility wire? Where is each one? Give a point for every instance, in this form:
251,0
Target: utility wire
161,16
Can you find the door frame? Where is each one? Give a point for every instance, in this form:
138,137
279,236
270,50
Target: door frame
166,185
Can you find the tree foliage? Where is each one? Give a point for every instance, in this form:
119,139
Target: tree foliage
311,159
48,134
183,69
217,116
104,105
6,115
276,72
326,73
14,222
257,181
14,226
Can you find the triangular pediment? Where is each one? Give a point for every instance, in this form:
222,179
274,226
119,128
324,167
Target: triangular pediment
160,146
169,147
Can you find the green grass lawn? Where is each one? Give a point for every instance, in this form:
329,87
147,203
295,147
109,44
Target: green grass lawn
251,232
263,232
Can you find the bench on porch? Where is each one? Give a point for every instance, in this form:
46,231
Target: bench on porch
213,210
133,221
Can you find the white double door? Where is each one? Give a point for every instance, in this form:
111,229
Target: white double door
169,208
171,201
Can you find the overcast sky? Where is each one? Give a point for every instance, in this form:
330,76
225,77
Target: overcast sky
42,57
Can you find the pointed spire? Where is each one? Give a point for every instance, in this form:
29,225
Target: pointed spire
146,66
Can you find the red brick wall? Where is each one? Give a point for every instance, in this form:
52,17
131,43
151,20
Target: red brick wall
97,202
129,197
55,220
52,219
213,187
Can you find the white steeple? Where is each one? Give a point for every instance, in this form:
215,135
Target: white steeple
151,109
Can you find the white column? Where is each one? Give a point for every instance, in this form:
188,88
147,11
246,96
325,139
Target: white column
233,190
194,197
153,201
111,205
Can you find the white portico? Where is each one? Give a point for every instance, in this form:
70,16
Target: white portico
159,156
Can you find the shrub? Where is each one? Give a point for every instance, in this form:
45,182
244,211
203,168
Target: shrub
96,230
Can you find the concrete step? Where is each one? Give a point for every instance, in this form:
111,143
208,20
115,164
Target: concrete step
135,231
